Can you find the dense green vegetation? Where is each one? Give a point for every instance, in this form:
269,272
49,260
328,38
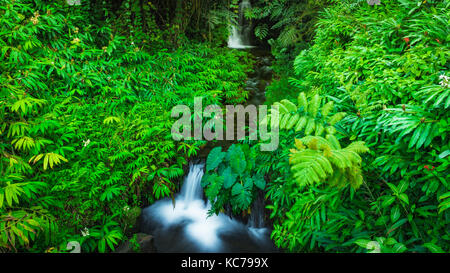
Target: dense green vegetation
86,122
363,92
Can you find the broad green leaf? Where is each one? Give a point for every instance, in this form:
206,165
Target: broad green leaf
259,181
403,186
393,188
242,194
444,154
425,133
444,205
388,201
215,186
399,248
415,136
237,189
433,248
404,198
362,243
398,224
229,178
237,159
215,157
395,213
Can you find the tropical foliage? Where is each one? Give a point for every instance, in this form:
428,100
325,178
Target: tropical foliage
229,178
85,131
376,178
386,66
363,98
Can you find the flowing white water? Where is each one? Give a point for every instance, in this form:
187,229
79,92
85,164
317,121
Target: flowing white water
193,191
186,226
239,35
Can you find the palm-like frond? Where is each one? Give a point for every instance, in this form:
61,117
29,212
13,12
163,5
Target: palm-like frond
317,160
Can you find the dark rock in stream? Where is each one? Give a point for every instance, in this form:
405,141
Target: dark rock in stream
252,83
266,72
266,61
139,243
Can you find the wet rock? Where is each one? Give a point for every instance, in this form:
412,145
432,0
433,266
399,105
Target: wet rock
252,83
262,85
139,243
266,72
266,61
252,90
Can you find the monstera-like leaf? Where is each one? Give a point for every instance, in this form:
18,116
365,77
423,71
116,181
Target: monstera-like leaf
215,184
242,194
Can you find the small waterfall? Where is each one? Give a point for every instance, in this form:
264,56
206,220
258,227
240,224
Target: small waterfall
239,35
191,189
256,219
186,226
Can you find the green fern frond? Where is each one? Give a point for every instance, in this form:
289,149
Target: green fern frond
289,36
307,115
323,162
261,31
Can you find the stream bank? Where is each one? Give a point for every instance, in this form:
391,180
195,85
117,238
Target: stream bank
183,227
256,84
183,224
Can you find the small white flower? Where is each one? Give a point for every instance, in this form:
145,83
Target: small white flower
85,232
445,81
86,142
126,208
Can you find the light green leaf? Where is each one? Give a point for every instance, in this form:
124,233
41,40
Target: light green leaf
395,213
215,157
433,248
404,198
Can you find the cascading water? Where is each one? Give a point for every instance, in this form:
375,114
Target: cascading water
239,35
184,226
